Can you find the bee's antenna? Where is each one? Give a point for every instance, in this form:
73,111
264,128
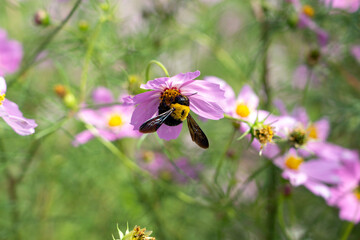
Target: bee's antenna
192,94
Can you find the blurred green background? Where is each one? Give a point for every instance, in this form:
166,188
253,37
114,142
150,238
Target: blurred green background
84,192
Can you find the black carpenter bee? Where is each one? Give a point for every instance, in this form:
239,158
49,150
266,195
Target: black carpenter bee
172,112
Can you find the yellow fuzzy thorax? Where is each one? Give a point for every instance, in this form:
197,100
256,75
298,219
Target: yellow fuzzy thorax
181,111
312,132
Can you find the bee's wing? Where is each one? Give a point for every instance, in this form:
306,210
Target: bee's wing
153,124
197,135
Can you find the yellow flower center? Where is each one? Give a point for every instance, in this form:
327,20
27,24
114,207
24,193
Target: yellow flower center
148,156
168,95
242,110
115,120
308,11
264,134
298,137
293,162
357,193
312,132
2,98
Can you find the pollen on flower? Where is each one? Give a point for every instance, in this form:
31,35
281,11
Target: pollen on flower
242,110
115,120
308,10
293,162
264,134
148,156
2,98
312,132
357,193
298,137
169,95
141,234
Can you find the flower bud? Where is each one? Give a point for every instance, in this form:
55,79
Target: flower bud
60,90
83,25
42,18
313,57
70,101
105,7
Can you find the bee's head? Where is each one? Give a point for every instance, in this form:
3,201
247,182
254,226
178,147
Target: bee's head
181,99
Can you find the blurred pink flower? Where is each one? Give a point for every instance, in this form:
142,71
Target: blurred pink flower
355,51
10,112
111,122
348,5
313,174
305,13
346,195
204,98
160,167
10,54
302,75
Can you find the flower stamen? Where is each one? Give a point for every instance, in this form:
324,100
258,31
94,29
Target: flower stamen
115,120
169,95
294,162
308,11
264,134
298,137
242,110
2,98
312,132
357,193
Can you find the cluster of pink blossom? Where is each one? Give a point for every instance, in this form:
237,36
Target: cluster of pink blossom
327,170
10,59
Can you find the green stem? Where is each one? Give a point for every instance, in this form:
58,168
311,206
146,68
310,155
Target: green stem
237,119
30,60
306,89
272,203
347,231
85,70
147,71
221,160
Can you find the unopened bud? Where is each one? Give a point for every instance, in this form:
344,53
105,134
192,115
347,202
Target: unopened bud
42,18
70,101
83,25
60,90
105,7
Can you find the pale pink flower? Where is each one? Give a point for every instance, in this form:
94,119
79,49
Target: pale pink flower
313,174
346,195
111,122
347,5
10,54
10,112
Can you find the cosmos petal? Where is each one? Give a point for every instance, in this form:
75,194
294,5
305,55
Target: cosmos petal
102,95
82,138
169,132
143,112
209,110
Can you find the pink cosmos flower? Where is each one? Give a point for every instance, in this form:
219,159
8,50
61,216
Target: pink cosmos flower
111,122
204,98
347,5
305,13
355,51
10,112
10,54
346,195
302,75
313,174
159,166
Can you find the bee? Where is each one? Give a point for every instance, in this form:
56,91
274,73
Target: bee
172,112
